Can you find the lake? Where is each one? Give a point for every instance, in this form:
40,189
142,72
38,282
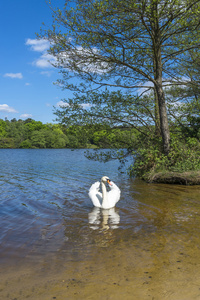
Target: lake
55,245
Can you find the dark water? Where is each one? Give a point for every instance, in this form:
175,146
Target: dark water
55,245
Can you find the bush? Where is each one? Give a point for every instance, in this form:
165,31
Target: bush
184,156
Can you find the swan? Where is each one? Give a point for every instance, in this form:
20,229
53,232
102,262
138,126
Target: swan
106,199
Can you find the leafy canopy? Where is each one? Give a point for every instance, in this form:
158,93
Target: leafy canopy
116,43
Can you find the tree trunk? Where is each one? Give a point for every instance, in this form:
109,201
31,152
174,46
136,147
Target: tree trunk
164,126
156,110
157,115
157,66
160,101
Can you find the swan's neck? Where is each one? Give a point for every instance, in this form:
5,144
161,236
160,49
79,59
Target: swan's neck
104,194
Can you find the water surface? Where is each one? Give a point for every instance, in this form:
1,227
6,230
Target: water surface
55,245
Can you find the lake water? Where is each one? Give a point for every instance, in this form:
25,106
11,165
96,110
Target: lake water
55,245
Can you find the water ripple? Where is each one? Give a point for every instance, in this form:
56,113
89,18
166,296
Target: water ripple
44,204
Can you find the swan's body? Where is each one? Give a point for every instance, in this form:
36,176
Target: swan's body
106,199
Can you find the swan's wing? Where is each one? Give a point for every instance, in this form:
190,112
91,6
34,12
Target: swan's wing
113,194
95,195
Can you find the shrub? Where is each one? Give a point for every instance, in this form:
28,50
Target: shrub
184,156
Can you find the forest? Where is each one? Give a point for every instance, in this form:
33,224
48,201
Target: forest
35,134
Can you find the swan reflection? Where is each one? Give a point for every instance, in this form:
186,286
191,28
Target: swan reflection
103,218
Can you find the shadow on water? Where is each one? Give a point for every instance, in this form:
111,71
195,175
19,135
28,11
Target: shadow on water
56,245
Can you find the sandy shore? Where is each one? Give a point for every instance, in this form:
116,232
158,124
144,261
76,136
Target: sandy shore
144,270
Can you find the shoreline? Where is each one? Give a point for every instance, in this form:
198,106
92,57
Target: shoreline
185,178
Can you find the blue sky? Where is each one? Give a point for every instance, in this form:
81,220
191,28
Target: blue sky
26,77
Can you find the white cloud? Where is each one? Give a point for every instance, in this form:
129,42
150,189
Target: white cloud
25,116
62,104
8,109
14,75
46,73
146,88
86,105
85,59
44,61
38,45
85,56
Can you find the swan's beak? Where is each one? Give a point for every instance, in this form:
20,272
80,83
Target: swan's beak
108,181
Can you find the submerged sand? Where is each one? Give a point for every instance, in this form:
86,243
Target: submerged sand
149,267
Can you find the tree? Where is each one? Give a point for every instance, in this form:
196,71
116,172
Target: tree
38,139
2,128
31,134
111,109
125,44
183,101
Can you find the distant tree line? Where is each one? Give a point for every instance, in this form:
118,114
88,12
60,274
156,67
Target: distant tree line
35,134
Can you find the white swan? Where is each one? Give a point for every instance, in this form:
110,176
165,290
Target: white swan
105,199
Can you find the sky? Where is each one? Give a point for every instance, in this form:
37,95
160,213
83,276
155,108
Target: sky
26,77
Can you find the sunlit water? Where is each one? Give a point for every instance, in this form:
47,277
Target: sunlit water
55,245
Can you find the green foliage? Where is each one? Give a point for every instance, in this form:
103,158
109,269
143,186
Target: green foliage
127,45
113,109
34,134
128,36
6,142
38,139
25,144
31,134
34,125
2,128
184,156
146,149
114,138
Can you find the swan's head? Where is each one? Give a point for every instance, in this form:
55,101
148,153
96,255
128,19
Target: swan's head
105,179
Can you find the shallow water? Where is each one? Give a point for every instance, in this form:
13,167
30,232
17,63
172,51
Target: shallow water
55,245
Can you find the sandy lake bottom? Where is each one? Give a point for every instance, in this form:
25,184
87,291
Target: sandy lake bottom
55,245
